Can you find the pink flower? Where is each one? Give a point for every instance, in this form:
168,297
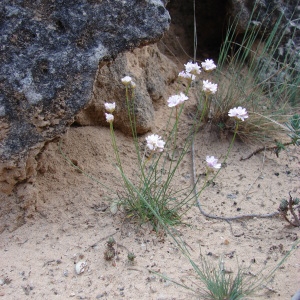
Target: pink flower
212,162
208,65
177,99
239,113
154,142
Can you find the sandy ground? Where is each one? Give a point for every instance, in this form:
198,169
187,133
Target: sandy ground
69,220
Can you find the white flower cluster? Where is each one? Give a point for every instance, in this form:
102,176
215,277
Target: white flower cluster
212,162
239,113
208,65
186,75
192,68
110,107
209,87
177,99
155,143
127,81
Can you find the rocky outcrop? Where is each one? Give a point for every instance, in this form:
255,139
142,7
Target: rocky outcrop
49,53
150,70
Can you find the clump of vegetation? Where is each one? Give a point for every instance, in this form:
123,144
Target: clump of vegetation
151,197
250,75
290,210
110,252
218,283
131,256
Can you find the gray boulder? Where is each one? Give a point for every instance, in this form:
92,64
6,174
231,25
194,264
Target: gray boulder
49,54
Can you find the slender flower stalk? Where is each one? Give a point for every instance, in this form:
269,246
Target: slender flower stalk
208,88
211,160
239,114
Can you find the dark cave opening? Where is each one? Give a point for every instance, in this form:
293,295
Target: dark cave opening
211,24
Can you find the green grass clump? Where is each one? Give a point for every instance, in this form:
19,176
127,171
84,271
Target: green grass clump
251,75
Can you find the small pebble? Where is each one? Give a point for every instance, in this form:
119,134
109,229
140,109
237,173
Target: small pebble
80,267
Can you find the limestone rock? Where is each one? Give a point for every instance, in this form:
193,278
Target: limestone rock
149,69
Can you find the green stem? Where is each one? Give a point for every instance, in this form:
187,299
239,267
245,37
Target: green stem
232,141
115,147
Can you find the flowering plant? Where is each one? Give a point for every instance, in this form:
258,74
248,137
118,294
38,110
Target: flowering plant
153,198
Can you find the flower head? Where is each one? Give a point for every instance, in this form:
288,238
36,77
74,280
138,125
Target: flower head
109,118
133,85
186,75
209,88
208,65
154,142
192,68
177,99
239,113
212,162
126,80
110,107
